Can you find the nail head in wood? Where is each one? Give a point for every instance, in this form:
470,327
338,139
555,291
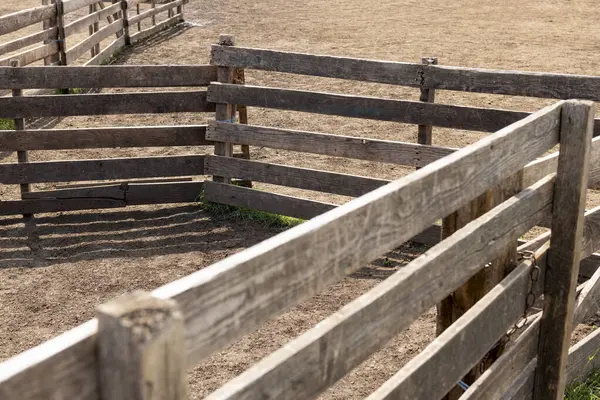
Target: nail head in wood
141,352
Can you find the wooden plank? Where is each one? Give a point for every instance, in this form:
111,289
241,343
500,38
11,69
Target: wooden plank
28,40
104,104
386,151
411,112
143,34
128,193
32,55
107,76
111,183
49,24
113,168
279,261
140,348
12,207
465,342
107,53
263,201
72,5
20,19
565,249
154,11
586,302
82,47
92,138
349,336
283,175
90,19
517,83
402,209
395,73
583,358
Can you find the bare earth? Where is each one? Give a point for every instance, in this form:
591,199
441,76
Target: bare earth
55,269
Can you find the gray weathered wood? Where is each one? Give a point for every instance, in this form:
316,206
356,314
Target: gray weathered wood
583,358
107,53
12,207
20,19
332,145
154,11
112,182
22,155
72,5
90,19
82,47
50,24
264,201
394,207
302,178
395,73
107,76
141,349
143,34
104,104
346,338
28,40
424,133
399,211
462,345
565,249
126,23
32,55
109,168
412,112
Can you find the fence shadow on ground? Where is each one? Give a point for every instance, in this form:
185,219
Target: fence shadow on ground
48,240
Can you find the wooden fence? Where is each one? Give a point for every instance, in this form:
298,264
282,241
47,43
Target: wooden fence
64,25
206,311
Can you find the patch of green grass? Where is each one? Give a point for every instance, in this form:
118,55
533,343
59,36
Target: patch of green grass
7,124
232,213
587,390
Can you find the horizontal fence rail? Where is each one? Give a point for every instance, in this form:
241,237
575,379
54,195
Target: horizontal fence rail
21,19
518,83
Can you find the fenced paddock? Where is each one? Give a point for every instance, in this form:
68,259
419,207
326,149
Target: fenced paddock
202,313
72,29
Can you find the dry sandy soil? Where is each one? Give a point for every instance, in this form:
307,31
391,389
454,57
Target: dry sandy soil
55,269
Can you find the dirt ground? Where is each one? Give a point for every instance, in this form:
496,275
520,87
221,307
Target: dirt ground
56,268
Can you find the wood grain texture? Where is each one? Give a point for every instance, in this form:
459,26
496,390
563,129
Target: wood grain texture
104,104
28,40
318,358
263,201
72,5
411,112
107,53
90,19
424,132
20,19
283,175
332,145
390,72
399,211
143,34
140,349
583,358
462,345
110,168
91,138
32,55
85,45
565,249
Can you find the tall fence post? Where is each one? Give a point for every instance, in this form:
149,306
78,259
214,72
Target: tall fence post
141,353
60,24
22,155
577,123
93,29
48,24
427,95
239,78
224,112
125,16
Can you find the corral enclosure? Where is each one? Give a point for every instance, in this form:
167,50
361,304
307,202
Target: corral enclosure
266,117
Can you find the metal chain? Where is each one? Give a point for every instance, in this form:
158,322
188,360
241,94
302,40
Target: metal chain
534,276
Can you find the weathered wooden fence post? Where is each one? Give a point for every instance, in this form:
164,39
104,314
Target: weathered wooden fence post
577,122
141,352
60,24
125,16
48,24
93,29
22,155
428,96
224,112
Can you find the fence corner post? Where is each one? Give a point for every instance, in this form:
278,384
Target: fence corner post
570,189
224,112
141,354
